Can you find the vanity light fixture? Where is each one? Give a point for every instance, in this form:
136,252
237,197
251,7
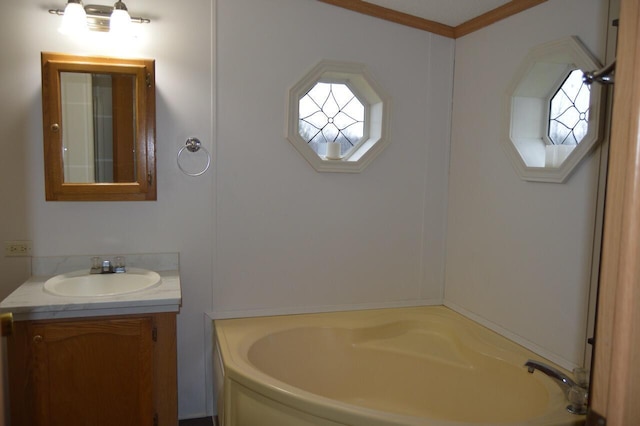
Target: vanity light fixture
77,18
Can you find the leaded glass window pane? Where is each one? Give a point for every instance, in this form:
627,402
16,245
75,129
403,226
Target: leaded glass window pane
331,112
569,111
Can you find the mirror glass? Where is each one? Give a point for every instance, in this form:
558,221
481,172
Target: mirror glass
98,118
99,128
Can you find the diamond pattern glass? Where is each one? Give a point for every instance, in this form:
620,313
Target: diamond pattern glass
569,112
331,112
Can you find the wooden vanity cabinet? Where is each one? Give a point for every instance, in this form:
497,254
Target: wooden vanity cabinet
96,371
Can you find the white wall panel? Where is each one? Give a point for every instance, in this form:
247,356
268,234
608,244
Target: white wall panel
290,238
519,253
180,221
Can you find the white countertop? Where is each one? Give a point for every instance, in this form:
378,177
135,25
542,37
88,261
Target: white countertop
31,302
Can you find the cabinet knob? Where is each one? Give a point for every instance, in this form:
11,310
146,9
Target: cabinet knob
37,338
6,324
55,127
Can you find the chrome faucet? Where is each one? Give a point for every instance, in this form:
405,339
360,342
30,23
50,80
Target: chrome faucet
106,267
561,379
575,393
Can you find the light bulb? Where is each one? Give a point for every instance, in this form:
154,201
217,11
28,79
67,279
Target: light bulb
120,23
74,20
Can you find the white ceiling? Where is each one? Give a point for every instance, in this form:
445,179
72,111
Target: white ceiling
449,12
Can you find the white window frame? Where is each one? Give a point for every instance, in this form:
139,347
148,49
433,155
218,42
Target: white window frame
527,103
376,104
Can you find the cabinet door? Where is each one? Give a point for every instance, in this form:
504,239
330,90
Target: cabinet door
93,372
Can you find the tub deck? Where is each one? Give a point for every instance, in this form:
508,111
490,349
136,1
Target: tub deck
408,366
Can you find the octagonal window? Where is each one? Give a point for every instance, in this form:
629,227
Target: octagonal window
331,113
569,111
553,118
337,117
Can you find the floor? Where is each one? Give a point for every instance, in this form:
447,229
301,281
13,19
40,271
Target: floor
205,421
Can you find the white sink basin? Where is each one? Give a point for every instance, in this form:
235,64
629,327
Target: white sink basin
81,283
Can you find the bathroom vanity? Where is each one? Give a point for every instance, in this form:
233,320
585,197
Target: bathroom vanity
117,370
93,360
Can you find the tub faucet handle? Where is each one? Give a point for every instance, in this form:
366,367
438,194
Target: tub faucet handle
578,398
581,376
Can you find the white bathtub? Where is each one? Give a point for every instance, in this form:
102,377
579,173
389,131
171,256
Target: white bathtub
411,366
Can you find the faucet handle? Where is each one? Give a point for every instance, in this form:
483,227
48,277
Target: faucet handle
119,264
578,395
582,377
578,398
96,265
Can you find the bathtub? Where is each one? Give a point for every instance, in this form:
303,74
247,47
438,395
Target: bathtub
410,366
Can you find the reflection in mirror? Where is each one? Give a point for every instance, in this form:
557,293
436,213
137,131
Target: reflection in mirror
99,128
98,110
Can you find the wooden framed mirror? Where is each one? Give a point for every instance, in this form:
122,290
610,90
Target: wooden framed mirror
99,128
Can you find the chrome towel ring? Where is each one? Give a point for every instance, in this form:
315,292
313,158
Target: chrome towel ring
193,145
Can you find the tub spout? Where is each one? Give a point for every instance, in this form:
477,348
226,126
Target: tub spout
576,394
561,379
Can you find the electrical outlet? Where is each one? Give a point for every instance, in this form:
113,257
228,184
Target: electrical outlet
17,248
